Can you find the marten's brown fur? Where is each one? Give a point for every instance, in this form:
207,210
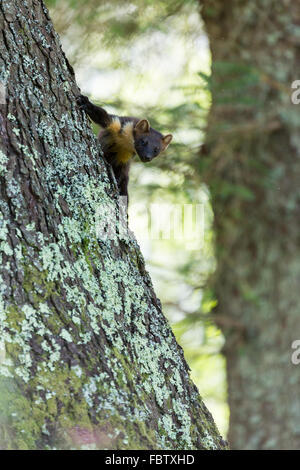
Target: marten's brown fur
122,137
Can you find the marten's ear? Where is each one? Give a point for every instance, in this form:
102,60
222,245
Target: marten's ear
166,140
143,126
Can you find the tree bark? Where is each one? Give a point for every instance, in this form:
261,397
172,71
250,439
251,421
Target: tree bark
87,359
251,162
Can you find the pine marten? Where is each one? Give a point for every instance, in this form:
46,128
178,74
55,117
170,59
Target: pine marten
122,137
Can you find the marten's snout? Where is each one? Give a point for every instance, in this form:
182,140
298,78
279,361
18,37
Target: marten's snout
147,156
147,159
146,148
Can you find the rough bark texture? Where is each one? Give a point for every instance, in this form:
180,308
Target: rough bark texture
87,357
251,162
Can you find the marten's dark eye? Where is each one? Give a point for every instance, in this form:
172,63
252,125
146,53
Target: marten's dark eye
144,142
156,150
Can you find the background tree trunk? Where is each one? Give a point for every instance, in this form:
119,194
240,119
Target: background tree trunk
87,357
251,162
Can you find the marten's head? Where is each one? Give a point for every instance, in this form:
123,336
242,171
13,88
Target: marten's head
148,142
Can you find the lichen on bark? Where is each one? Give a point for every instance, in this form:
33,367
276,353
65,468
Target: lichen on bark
87,359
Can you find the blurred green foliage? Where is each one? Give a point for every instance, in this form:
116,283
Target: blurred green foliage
151,59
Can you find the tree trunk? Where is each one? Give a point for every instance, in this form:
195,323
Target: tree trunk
251,162
87,358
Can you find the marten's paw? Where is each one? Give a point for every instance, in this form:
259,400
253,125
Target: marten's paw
83,102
